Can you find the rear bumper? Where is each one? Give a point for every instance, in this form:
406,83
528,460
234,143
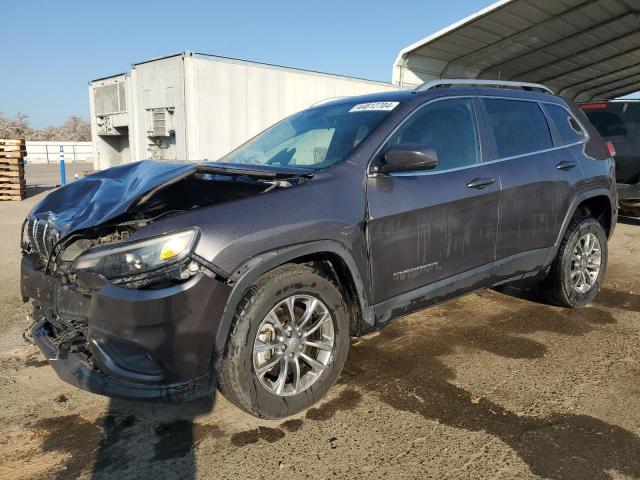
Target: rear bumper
139,344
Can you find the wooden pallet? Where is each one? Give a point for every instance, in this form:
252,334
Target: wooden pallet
11,167
13,193
11,160
17,179
19,184
12,184
13,149
12,181
11,156
10,173
13,198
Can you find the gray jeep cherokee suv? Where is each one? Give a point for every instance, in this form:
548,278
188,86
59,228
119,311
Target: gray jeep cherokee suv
157,280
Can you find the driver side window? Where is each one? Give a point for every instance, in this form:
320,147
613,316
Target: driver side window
446,126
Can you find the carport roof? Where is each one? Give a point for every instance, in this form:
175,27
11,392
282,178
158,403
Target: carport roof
582,49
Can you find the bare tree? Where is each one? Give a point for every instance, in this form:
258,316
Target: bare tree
75,129
16,127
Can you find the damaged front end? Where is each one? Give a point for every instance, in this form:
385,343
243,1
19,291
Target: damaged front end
120,313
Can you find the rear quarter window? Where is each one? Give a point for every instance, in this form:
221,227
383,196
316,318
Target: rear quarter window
568,127
519,127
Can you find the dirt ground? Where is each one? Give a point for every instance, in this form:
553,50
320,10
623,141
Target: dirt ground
487,386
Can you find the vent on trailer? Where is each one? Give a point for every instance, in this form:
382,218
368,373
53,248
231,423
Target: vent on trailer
160,122
110,108
110,99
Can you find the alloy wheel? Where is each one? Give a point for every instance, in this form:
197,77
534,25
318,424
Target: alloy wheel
293,345
585,263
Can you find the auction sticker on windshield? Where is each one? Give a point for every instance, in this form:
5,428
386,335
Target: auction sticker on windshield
374,106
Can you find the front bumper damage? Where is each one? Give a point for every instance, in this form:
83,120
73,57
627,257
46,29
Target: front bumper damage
76,369
127,343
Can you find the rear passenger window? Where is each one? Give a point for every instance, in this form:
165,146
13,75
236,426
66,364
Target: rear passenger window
519,127
568,127
448,127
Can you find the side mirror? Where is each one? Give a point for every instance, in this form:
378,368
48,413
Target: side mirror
407,157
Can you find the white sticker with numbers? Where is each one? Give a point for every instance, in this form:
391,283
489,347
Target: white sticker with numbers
374,106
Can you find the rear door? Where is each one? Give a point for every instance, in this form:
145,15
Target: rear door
439,226
537,178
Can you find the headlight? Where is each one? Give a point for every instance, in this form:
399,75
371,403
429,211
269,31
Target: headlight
138,257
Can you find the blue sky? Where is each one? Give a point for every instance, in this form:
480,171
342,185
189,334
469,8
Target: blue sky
51,49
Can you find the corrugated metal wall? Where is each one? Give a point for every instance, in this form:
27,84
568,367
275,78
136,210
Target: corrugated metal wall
233,101
207,105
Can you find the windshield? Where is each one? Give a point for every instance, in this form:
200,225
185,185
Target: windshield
315,138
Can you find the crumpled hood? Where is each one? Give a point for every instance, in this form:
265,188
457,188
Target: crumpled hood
104,195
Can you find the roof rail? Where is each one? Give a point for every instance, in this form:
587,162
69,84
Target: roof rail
472,82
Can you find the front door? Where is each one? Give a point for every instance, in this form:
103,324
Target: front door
434,228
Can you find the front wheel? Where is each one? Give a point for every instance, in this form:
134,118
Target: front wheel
578,270
288,343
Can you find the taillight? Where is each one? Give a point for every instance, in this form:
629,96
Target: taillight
593,106
612,149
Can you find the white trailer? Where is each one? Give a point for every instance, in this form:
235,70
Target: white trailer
194,106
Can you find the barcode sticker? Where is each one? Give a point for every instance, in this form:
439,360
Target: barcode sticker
374,106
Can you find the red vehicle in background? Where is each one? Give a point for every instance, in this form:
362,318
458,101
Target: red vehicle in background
618,121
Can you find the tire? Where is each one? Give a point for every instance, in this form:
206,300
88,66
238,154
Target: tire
238,380
557,286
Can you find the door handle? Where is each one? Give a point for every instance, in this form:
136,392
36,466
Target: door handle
566,165
481,182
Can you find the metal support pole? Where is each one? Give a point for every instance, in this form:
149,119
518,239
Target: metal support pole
63,172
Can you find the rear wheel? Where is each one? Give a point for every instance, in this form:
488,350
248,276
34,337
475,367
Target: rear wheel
578,270
288,343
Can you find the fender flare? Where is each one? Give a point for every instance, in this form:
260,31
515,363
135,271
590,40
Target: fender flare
246,274
577,200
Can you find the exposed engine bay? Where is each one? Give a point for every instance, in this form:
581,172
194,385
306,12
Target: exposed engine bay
56,247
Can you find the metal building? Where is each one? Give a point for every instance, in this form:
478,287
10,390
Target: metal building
193,106
582,49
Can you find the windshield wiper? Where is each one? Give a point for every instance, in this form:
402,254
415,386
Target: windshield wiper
270,173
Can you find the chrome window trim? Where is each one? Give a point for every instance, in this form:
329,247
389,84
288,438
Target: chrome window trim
419,173
489,162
